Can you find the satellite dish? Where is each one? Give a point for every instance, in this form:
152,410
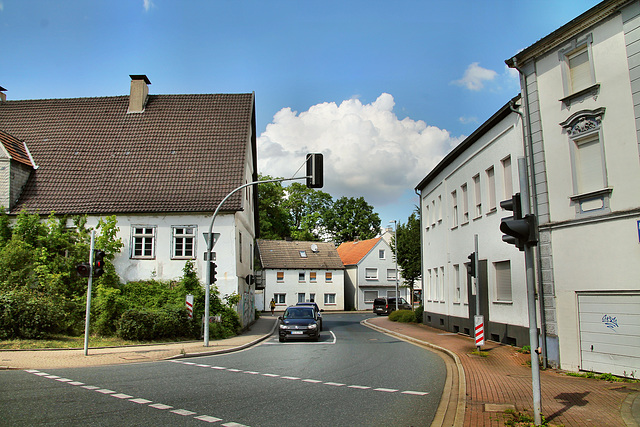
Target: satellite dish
314,248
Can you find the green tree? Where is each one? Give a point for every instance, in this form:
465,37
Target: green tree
274,217
350,218
408,244
307,207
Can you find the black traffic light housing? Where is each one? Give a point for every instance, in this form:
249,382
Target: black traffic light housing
519,230
471,266
314,170
98,263
213,272
83,269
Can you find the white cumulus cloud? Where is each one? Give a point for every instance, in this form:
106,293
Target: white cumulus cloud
148,4
367,150
475,77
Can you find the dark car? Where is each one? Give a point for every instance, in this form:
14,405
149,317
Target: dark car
299,322
316,308
387,305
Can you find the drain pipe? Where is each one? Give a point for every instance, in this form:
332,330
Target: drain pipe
528,150
419,194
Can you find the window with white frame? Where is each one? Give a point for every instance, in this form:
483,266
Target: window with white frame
280,298
589,164
503,281
442,284
439,208
478,195
312,297
456,282
436,285
143,242
381,254
301,296
329,299
454,209
280,276
240,246
328,276
391,274
577,70
433,208
371,273
313,276
465,203
184,242
491,188
507,177
301,276
391,294
369,296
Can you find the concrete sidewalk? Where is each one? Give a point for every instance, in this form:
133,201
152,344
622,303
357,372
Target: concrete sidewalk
72,358
502,380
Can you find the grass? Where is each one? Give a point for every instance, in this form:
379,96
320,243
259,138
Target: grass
604,377
63,341
480,353
524,419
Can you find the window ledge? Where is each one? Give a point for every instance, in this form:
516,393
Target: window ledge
492,211
593,90
592,194
503,302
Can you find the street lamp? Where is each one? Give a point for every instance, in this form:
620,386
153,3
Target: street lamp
395,234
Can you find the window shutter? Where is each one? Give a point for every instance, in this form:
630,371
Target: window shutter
503,280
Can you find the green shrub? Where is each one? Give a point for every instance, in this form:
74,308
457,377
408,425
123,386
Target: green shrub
137,325
419,312
108,307
404,316
26,315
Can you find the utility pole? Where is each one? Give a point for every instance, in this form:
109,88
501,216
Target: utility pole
88,313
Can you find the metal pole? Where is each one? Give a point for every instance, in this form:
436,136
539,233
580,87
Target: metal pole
395,226
531,298
476,262
88,314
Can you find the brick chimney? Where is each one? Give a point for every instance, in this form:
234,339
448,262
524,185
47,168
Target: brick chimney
139,93
3,95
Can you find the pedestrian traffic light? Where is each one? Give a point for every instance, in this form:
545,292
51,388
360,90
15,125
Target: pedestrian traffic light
83,269
471,266
314,170
98,263
212,272
519,230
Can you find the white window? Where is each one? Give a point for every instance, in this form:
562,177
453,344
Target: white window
143,242
456,279
577,70
381,254
454,209
369,296
439,208
313,276
491,188
465,203
442,284
280,298
371,273
312,297
436,285
280,276
391,274
589,164
329,299
301,297
478,195
184,242
301,276
503,280
433,208
328,276
507,178
391,294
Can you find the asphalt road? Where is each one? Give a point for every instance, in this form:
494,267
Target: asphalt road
353,376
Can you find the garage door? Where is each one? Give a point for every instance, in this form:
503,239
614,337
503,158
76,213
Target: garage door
610,333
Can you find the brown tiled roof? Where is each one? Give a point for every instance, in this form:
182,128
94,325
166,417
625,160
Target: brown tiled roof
284,254
184,153
352,252
16,148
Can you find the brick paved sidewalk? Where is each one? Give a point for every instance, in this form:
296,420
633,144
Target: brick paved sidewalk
503,379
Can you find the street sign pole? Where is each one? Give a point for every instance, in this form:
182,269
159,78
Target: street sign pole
88,314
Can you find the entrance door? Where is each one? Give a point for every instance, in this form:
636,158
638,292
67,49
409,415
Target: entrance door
610,333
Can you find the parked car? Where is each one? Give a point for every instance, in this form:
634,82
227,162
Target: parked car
299,322
387,305
316,308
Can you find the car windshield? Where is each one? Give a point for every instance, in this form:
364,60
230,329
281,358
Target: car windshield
299,313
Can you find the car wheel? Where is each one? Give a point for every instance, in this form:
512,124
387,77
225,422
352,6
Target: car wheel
281,339
317,338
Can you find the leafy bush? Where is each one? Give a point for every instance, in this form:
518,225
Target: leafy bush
404,316
419,312
25,315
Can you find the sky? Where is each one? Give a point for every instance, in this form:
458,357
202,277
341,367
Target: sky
384,89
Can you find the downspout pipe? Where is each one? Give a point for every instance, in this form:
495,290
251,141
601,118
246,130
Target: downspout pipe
527,141
419,194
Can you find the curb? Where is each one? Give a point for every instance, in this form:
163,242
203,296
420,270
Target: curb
447,396
225,350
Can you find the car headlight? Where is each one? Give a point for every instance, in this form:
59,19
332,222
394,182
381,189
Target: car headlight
312,326
283,326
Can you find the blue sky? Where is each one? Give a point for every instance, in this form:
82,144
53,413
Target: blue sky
383,88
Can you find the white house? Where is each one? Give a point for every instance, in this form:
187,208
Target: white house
370,272
297,271
160,163
580,88
460,198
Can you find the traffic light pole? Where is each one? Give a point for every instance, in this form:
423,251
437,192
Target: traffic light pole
88,314
531,298
476,261
210,250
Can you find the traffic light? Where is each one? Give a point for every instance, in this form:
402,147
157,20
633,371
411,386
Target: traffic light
98,263
471,267
314,170
519,230
212,272
83,269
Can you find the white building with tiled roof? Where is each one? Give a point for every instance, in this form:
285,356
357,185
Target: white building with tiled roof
160,163
295,271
